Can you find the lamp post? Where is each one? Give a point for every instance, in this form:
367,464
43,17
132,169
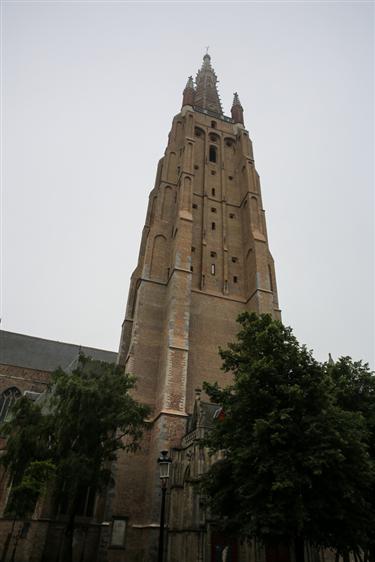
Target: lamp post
164,462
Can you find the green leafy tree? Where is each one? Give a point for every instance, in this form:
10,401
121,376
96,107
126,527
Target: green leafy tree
355,392
28,438
27,461
94,417
25,494
89,415
296,465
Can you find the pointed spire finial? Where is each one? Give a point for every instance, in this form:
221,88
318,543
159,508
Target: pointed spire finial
236,99
188,94
206,62
190,83
237,109
206,94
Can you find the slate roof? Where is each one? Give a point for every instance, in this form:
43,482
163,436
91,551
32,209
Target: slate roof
44,355
208,413
207,416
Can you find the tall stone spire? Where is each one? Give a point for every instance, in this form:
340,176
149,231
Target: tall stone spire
206,94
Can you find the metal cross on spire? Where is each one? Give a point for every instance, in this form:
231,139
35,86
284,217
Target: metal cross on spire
207,49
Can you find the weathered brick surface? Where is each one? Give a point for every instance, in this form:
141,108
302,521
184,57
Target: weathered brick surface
22,378
28,548
86,541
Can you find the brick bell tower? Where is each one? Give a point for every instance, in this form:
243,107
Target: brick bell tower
204,258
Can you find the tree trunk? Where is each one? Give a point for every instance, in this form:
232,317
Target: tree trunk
85,531
66,554
372,553
67,543
299,549
15,545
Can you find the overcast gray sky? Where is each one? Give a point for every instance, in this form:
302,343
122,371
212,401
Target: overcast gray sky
88,94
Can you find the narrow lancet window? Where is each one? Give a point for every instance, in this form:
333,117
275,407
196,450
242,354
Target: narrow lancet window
213,153
270,277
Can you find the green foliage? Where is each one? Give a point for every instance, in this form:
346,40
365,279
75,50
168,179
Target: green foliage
94,417
355,392
87,417
296,460
23,496
28,438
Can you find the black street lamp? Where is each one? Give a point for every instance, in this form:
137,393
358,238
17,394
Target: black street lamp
164,466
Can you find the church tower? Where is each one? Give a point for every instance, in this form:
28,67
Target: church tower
204,258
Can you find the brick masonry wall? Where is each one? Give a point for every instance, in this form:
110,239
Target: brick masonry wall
23,378
30,547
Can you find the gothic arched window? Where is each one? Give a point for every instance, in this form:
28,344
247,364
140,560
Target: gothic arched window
7,399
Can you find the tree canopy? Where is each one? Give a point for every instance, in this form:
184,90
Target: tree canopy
93,417
86,416
297,447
